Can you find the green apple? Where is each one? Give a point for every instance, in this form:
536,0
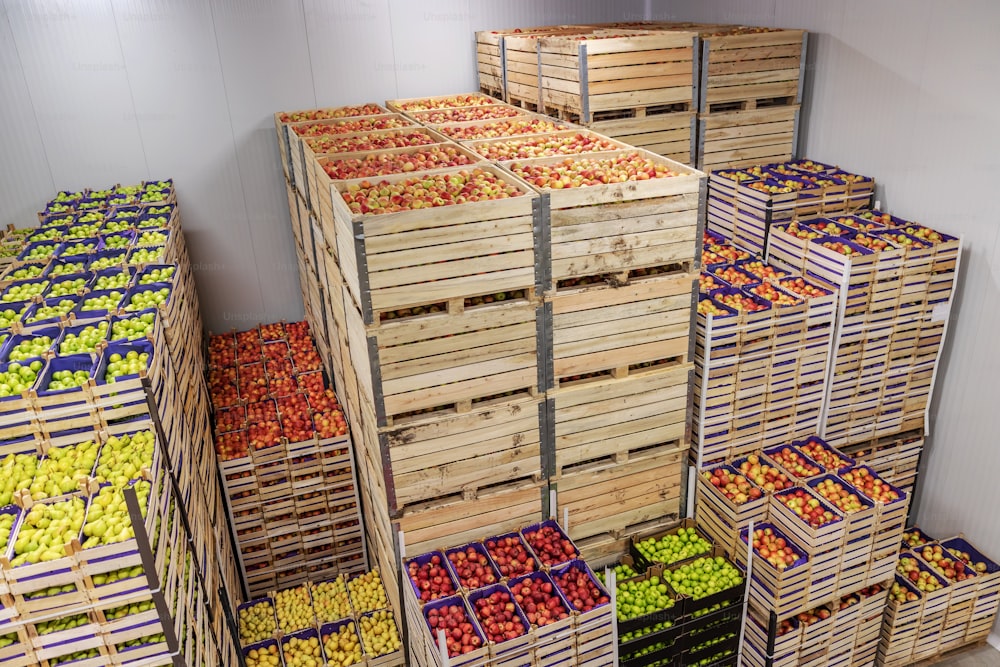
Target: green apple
8,316
686,543
638,598
84,231
112,226
66,268
103,302
134,327
18,379
102,263
115,242
146,255
27,272
30,347
24,291
158,276
78,249
68,380
66,287
43,251
132,363
47,312
148,299
93,216
85,341
114,281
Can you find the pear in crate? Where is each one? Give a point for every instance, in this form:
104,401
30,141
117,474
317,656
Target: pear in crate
63,469
16,473
46,529
257,622
264,657
343,648
379,634
108,520
331,601
367,592
305,652
123,458
294,608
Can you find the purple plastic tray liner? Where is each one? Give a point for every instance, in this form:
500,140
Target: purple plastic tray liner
816,440
83,311
480,550
107,258
487,592
425,594
139,346
719,295
858,249
15,341
53,232
131,315
79,247
550,560
127,304
801,558
37,317
118,240
111,273
71,363
437,606
529,607
39,251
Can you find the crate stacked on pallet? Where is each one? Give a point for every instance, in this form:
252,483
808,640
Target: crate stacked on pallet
617,299
750,94
762,348
945,598
743,204
638,86
517,81
824,529
663,615
350,620
107,397
896,281
894,457
843,632
285,456
531,581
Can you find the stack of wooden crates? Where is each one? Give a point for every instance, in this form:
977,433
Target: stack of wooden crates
481,348
706,95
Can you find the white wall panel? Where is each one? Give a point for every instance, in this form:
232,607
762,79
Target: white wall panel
906,91
266,67
350,43
76,77
25,179
180,100
434,47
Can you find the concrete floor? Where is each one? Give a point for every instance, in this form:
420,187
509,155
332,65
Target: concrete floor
986,656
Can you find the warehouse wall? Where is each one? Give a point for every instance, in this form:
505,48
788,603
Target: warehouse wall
94,92
906,91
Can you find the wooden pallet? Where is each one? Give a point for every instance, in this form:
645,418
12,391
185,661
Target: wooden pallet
605,328
608,71
671,135
739,138
607,495
746,67
398,261
456,520
649,408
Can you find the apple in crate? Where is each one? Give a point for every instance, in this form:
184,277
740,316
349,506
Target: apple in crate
550,545
472,567
431,579
944,563
838,494
813,616
510,556
763,475
586,171
922,579
735,487
900,593
540,601
808,508
773,548
795,463
498,617
871,485
580,590
460,635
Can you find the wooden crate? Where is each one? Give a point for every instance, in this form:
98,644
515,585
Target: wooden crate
617,227
397,260
519,53
528,124
646,72
321,184
283,119
447,361
738,138
671,135
455,520
438,455
649,408
720,517
491,64
617,327
608,495
299,132
750,67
